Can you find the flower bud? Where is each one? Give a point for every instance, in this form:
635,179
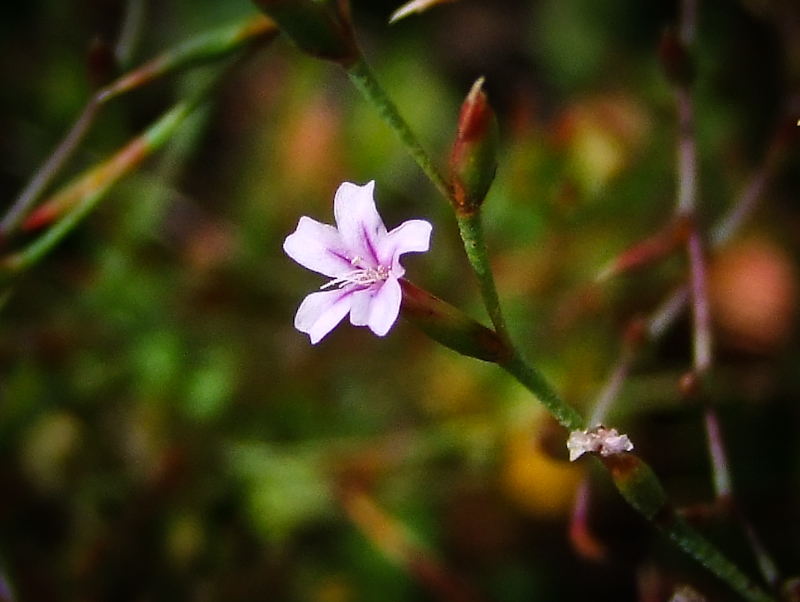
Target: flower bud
101,63
449,326
675,59
639,485
473,161
322,28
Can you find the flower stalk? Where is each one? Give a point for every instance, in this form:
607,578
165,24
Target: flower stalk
365,82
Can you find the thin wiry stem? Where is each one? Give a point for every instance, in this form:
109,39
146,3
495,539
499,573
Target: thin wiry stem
130,32
687,170
686,153
747,201
687,173
688,21
666,314
612,388
719,459
702,337
84,194
741,210
399,545
365,82
47,172
766,564
471,228
203,49
700,305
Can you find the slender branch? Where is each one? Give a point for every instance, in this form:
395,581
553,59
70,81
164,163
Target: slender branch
688,21
709,556
702,346
366,83
399,545
667,313
536,383
134,19
84,194
580,533
47,172
703,354
719,460
686,153
766,565
205,48
471,228
612,388
746,202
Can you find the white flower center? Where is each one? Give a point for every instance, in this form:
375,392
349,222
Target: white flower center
362,276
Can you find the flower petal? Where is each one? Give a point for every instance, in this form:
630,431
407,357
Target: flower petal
385,307
319,313
413,236
361,306
318,247
360,226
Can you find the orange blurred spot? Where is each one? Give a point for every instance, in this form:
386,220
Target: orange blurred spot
753,294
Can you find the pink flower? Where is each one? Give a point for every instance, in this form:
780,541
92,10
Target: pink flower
361,258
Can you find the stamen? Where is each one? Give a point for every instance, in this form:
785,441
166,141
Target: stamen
364,276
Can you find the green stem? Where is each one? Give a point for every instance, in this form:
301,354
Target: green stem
536,383
710,557
203,49
90,189
471,229
644,494
641,488
366,83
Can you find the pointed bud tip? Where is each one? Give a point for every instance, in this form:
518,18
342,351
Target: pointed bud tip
473,159
476,113
413,7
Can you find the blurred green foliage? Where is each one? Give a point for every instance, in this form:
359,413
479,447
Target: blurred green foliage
166,434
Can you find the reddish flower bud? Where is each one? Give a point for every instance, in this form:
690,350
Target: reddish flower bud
675,59
101,63
449,326
473,161
322,28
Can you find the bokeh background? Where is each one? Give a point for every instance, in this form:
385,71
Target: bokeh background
165,433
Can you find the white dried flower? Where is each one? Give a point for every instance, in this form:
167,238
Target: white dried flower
601,440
